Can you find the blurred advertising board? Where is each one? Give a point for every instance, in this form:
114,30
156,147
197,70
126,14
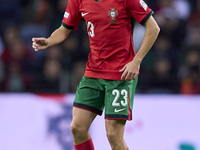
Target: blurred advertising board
39,122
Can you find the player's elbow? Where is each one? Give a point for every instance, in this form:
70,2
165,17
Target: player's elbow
157,29
152,26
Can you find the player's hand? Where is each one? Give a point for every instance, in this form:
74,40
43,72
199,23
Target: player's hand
40,43
130,70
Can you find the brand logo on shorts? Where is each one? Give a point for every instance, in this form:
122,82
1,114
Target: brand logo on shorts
118,110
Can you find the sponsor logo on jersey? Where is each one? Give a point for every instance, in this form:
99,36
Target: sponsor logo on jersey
143,4
113,13
66,15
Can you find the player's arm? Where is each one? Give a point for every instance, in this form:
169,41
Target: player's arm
151,34
131,69
56,37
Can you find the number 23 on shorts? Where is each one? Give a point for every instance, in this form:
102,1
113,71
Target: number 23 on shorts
118,101
117,105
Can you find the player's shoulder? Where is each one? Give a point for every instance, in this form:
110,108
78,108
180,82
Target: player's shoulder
128,2
75,1
135,3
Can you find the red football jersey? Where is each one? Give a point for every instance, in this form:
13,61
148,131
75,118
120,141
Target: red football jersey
110,32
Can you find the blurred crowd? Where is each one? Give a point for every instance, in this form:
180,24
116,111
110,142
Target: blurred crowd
171,66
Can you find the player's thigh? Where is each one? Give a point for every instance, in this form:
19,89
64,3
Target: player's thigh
82,119
115,128
90,95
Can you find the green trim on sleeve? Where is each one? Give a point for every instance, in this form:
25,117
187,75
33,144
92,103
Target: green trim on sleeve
146,18
66,26
133,24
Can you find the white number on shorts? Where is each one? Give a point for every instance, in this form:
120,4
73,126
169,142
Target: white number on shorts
125,102
117,93
90,28
115,103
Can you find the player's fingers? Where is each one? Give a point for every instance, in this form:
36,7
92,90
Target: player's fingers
128,76
38,40
122,69
35,46
35,39
134,76
123,75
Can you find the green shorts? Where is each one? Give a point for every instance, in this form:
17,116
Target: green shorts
116,96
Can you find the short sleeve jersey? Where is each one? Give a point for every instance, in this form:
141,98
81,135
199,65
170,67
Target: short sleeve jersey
109,26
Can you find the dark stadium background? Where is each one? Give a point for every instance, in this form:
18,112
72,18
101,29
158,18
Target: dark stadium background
171,66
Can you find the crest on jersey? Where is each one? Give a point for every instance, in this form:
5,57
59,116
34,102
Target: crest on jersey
113,13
